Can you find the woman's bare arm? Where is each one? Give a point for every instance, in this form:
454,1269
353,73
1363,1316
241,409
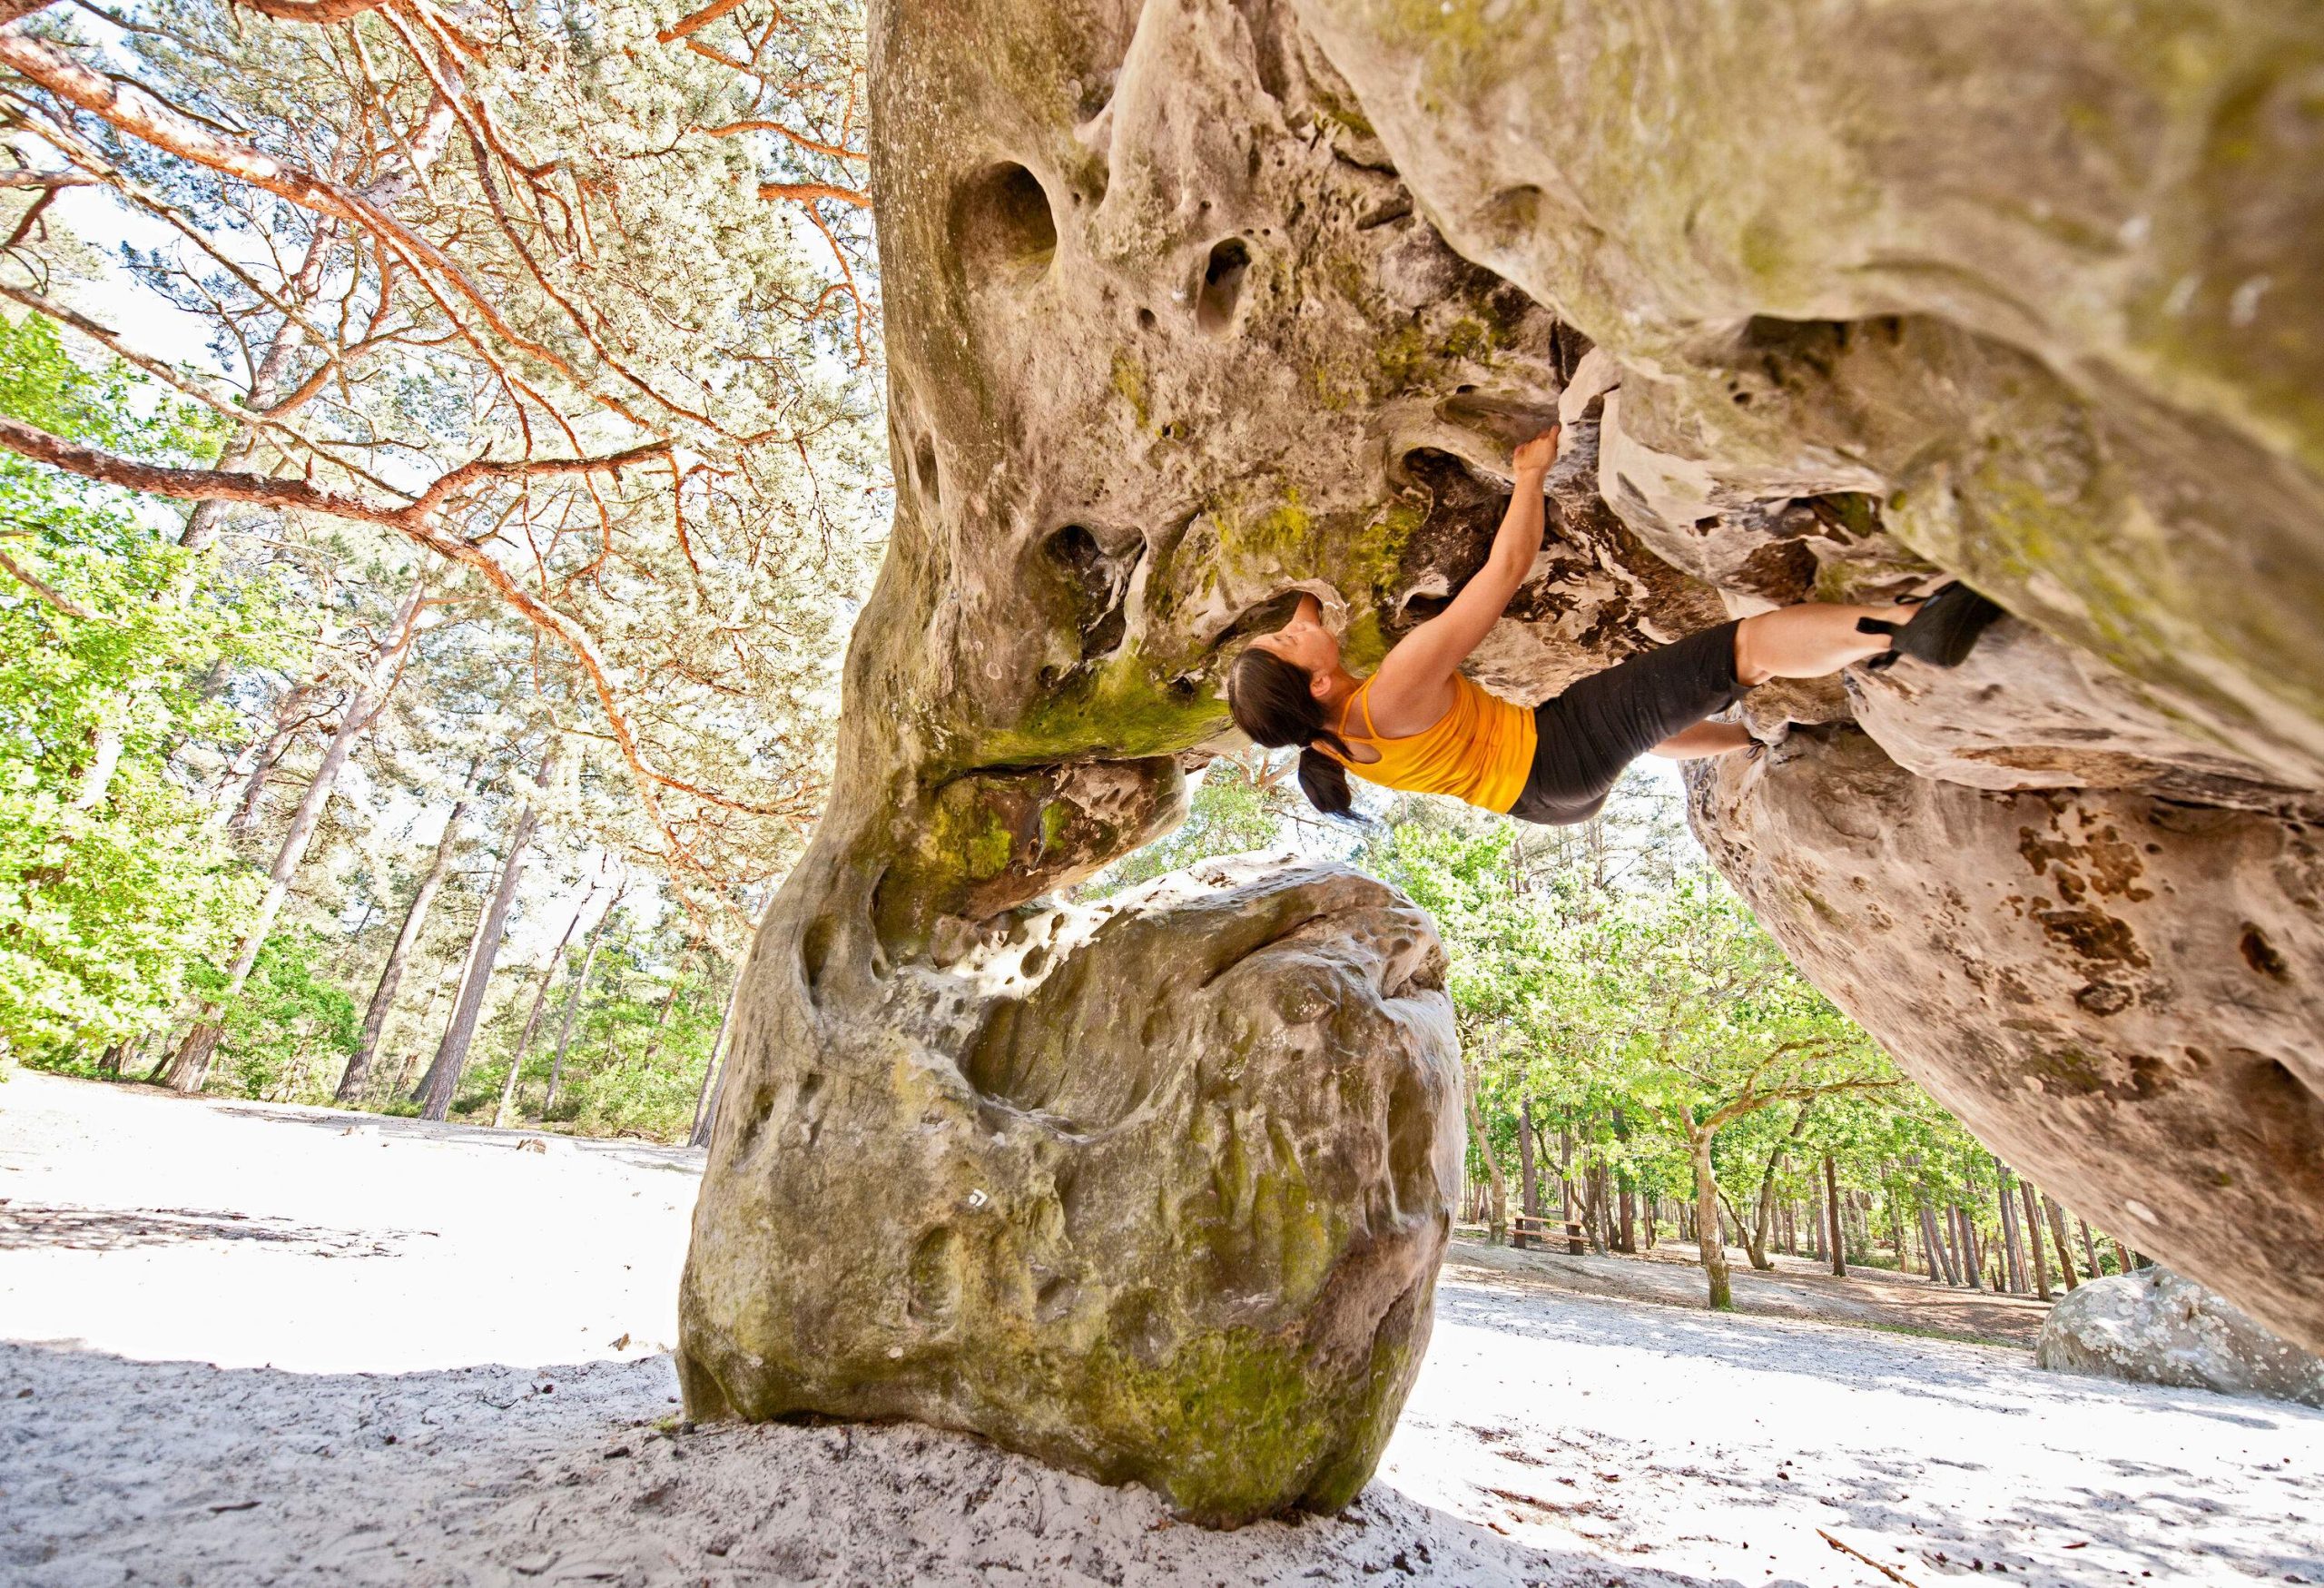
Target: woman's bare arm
1413,686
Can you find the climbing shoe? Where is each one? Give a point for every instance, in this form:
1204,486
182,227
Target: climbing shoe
1942,632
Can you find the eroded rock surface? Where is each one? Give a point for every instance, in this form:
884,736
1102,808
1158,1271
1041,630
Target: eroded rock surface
1195,303
1154,1190
2154,1327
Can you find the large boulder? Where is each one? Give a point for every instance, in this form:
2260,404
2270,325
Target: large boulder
1191,303
1154,1190
2154,1327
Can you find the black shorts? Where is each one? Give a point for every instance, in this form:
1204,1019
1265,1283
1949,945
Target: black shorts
1608,720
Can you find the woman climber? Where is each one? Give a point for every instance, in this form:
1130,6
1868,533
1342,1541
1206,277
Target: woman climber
1418,724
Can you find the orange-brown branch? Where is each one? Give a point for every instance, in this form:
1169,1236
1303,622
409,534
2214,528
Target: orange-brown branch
416,522
809,190
314,11
813,145
695,22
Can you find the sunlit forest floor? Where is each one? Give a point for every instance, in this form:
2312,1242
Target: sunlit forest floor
246,1344
1798,1288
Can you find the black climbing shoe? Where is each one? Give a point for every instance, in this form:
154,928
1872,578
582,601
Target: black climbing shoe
1942,633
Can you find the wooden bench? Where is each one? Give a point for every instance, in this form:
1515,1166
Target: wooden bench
1525,1227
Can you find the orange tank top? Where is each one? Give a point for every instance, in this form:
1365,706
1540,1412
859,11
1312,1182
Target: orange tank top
1481,751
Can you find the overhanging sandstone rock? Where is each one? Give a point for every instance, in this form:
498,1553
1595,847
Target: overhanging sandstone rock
1192,302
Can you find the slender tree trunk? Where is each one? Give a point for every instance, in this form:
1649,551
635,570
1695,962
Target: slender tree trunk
1567,1204
258,760
1973,1260
1595,1215
190,1067
2123,1255
255,752
1707,1243
500,1115
572,1000
1940,1263
104,752
1757,1239
1530,1182
1499,1228
2012,1246
2089,1249
452,1053
415,922
1839,1233
662,1021
2039,1256
705,1105
2058,1234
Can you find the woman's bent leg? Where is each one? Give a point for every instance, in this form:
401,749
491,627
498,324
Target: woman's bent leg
1809,641
1604,722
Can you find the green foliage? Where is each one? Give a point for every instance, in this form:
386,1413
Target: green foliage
112,884
1605,975
1234,809
291,1030
641,1037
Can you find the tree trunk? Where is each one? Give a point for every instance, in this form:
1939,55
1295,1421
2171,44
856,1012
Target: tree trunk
452,1053
662,1021
1973,1261
1707,1241
190,1067
2013,1245
256,764
1940,1261
1757,1239
533,1016
1498,1230
2040,1256
705,1105
2058,1235
1529,1178
1839,1233
2089,1248
105,753
383,995
573,1001
1569,1206
1595,1213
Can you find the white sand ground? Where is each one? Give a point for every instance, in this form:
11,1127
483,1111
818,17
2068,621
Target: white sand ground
247,1346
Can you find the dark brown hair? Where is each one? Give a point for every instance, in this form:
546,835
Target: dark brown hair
1274,704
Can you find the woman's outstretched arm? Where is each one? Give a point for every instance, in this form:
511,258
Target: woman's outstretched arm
1413,686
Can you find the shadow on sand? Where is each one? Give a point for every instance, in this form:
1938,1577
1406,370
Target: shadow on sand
502,1475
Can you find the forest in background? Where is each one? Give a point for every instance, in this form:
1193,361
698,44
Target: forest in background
1643,1063
442,453
439,460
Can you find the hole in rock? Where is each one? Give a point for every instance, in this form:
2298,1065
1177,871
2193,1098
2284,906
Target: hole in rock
1451,541
1263,618
1092,581
923,467
1504,421
815,950
1145,320
2262,955
935,1291
1002,222
1222,285
1055,1299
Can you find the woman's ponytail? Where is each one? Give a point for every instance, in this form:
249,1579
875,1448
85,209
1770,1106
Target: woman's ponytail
1274,704
1325,783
